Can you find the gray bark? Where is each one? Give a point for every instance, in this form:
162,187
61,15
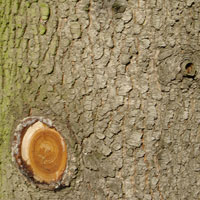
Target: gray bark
120,79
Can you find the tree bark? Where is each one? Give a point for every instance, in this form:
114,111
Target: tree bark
120,79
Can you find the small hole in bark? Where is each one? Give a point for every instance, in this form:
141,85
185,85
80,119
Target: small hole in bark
189,68
40,152
118,7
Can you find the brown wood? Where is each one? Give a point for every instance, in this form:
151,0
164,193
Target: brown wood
40,152
47,155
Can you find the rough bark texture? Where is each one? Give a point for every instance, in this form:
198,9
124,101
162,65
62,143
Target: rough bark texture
120,79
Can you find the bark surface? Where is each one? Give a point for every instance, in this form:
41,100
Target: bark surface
120,79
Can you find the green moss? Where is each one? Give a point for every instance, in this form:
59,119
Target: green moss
44,11
19,32
8,63
32,12
42,29
18,22
6,35
28,4
25,73
26,70
17,42
15,7
7,9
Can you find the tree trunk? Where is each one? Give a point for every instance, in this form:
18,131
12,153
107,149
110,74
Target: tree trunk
120,79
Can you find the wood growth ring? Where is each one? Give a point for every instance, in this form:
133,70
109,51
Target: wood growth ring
40,152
